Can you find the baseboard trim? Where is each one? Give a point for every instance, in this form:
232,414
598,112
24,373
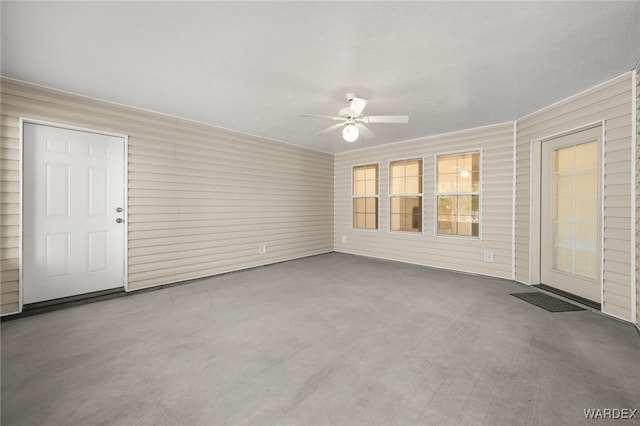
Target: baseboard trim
99,296
66,302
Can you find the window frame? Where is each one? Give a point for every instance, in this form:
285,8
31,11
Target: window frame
479,193
421,195
377,196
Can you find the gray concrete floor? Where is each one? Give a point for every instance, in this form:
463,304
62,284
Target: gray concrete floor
331,339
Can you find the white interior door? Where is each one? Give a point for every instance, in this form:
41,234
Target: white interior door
73,195
570,214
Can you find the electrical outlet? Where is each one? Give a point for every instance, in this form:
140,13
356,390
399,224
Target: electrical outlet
488,256
344,239
262,248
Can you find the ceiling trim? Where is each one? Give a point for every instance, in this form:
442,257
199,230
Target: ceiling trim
427,138
577,95
149,111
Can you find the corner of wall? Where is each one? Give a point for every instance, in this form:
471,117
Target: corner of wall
334,202
636,188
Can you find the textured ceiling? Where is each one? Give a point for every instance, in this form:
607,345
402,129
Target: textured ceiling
253,66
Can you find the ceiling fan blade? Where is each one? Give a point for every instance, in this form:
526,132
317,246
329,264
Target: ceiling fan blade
357,105
399,119
329,129
321,116
364,132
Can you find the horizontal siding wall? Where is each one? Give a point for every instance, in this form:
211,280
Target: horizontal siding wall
201,199
9,212
610,102
460,254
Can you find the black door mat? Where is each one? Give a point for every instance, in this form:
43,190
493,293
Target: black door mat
547,302
581,300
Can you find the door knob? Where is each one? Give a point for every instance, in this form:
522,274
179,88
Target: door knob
118,220
119,209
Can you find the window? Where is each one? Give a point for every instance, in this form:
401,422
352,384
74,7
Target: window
365,197
405,195
458,194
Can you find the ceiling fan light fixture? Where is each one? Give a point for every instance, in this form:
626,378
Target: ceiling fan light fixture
352,122
350,133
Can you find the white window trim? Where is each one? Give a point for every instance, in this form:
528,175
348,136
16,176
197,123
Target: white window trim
436,194
390,195
377,196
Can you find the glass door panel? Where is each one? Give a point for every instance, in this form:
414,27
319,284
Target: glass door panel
575,209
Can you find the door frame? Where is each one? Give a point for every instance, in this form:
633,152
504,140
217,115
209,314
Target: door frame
26,120
535,204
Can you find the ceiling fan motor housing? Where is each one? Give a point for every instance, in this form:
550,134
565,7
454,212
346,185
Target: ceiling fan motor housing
345,112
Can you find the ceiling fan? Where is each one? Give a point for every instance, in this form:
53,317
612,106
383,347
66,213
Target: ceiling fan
352,121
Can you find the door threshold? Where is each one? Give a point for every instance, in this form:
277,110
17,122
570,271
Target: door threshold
581,300
67,302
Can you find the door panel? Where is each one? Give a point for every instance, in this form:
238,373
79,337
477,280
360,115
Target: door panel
57,258
73,182
571,214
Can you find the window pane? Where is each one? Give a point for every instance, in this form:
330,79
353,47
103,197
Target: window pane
365,212
465,161
397,185
459,172
465,228
371,172
413,168
416,222
564,234
586,184
585,263
395,222
563,259
365,180
475,185
564,159
465,205
446,205
465,181
447,182
397,169
370,187
413,205
395,204
447,164
458,214
365,209
445,225
371,221
405,177
414,185
564,185
587,156
586,236
371,204
406,214
587,209
406,223
564,209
